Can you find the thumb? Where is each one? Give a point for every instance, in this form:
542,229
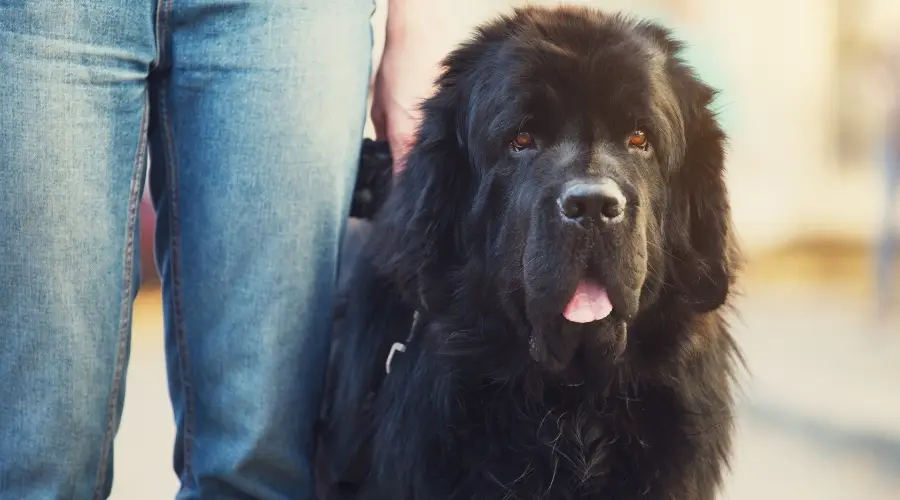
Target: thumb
401,144
379,121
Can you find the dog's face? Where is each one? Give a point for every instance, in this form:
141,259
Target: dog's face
568,175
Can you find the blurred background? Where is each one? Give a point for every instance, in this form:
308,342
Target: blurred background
810,92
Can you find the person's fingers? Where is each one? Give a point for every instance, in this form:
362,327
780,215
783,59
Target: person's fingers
378,113
379,121
402,139
399,152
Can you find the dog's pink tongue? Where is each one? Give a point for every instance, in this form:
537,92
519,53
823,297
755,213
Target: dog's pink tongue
589,303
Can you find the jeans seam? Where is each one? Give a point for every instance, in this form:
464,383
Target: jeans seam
127,303
175,267
163,15
163,10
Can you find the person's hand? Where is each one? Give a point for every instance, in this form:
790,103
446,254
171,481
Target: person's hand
415,43
402,82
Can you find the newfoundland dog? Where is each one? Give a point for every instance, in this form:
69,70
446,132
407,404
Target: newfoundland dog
538,311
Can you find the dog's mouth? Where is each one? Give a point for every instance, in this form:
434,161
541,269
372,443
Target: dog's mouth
589,320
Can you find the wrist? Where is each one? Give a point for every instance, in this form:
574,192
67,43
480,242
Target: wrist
417,20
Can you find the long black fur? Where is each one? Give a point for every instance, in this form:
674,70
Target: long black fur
481,406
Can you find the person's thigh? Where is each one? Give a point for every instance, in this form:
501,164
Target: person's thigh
258,129
72,125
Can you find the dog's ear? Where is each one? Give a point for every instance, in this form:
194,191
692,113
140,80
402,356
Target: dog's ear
704,254
417,231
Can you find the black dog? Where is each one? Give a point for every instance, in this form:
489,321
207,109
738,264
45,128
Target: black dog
548,279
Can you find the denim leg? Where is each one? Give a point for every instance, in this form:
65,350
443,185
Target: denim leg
73,114
259,120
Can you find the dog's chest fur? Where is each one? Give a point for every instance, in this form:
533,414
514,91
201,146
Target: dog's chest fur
576,447
499,443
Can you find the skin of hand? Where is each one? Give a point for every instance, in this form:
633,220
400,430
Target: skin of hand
417,38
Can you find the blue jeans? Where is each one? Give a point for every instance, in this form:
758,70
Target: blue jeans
252,112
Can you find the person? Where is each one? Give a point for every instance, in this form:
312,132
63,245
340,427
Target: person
253,113
890,162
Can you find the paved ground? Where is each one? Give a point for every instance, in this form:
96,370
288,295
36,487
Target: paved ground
819,415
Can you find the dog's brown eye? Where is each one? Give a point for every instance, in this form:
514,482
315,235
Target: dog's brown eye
523,140
638,139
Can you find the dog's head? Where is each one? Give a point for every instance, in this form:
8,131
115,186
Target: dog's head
568,175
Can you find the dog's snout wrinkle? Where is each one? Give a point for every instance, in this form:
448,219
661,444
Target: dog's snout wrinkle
601,202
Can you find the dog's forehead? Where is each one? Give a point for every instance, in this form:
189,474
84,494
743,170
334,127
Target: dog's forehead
596,38
599,66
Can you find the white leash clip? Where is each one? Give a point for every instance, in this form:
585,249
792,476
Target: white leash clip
397,347
400,346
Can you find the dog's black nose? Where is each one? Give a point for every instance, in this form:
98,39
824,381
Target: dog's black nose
601,201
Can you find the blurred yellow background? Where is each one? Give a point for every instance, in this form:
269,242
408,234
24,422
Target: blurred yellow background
808,88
